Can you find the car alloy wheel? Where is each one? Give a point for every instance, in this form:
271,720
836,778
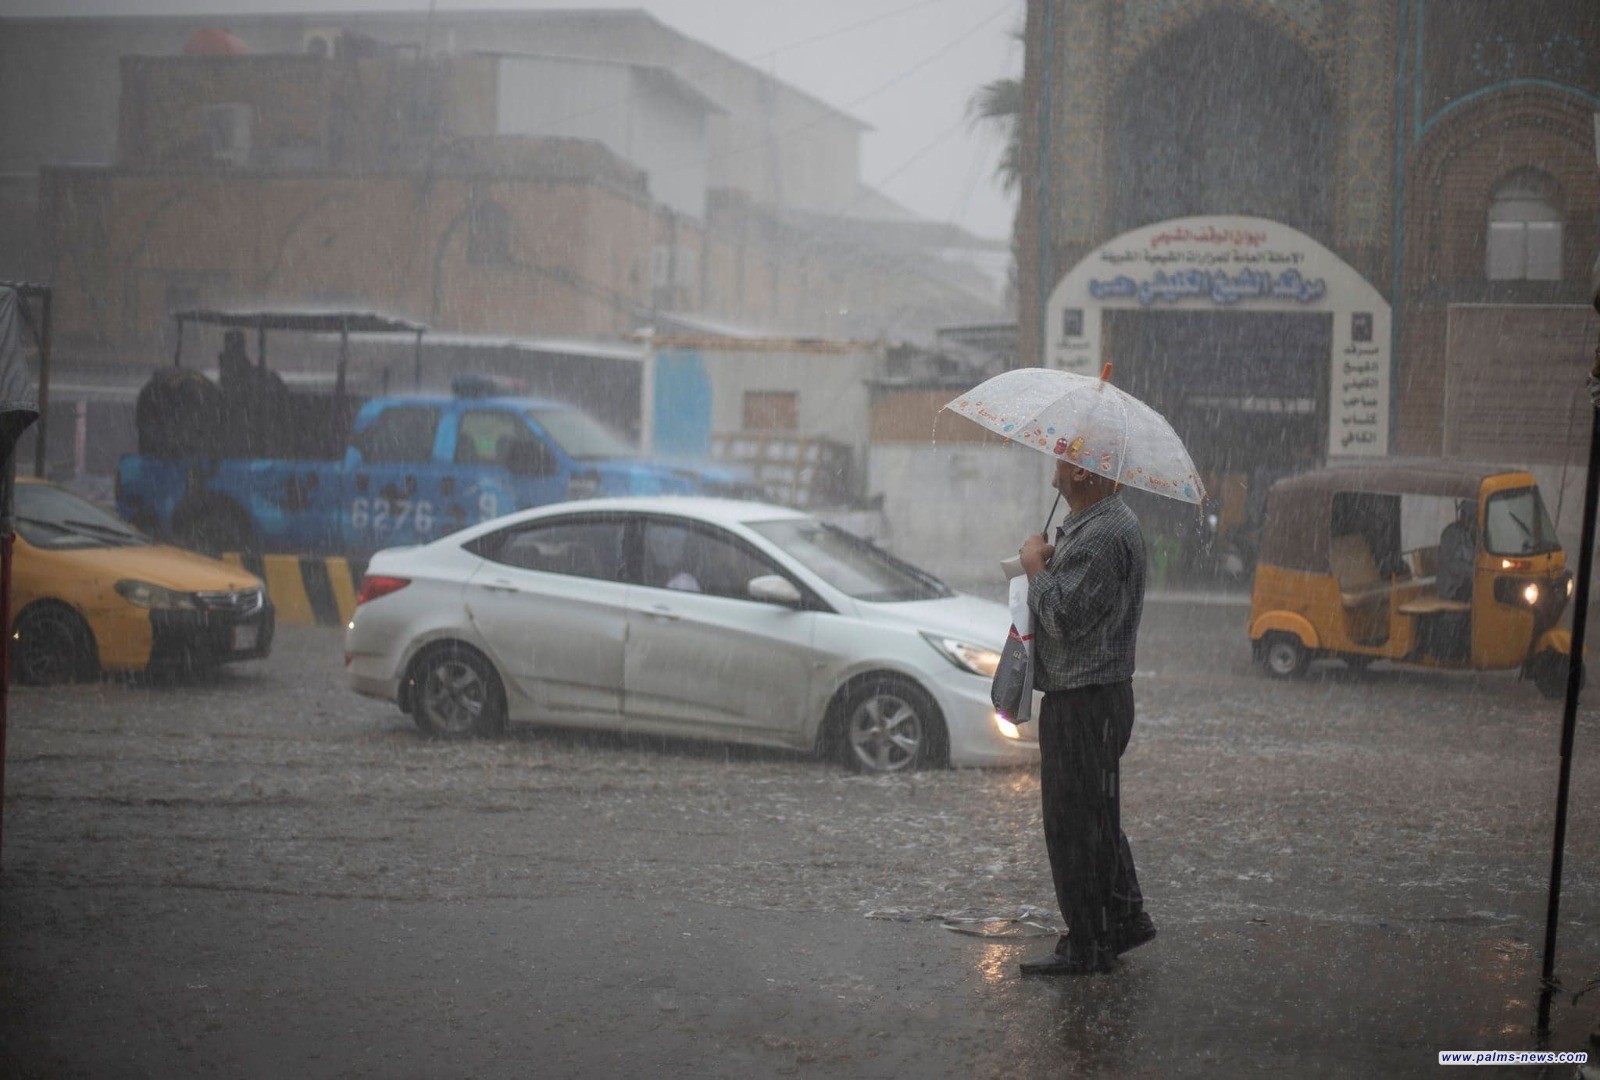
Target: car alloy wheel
457,694
886,731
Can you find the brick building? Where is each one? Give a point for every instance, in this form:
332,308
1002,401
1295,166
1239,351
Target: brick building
1318,228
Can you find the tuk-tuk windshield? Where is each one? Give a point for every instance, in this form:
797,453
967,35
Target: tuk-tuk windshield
1516,523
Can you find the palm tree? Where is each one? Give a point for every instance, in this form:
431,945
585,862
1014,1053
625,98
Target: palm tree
1000,103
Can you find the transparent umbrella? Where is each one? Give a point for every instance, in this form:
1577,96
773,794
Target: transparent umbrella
1088,422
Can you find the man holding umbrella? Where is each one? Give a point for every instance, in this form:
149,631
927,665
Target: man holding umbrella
1085,596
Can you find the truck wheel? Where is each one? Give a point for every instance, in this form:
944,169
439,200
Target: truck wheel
1285,657
214,530
455,694
52,644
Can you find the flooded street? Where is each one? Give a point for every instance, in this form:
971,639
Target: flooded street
266,875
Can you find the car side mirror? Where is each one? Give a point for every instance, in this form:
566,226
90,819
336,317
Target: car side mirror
530,457
774,589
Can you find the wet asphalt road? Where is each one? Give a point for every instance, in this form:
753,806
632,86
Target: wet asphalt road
264,875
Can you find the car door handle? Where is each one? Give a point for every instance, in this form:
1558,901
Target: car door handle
662,612
499,586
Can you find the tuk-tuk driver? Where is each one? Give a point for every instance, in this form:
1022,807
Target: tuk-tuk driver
1085,594
1458,550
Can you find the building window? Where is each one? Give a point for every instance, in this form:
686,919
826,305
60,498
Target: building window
767,410
489,235
1524,236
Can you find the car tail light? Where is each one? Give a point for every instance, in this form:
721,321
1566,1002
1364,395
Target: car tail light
376,585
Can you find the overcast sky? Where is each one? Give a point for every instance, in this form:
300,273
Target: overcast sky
907,67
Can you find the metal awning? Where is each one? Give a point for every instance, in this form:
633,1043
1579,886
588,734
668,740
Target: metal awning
311,321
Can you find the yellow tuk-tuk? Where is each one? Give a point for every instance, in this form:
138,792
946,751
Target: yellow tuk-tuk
1430,562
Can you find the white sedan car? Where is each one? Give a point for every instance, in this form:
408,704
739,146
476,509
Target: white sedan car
701,618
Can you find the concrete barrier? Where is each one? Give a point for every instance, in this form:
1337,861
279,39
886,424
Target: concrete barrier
311,590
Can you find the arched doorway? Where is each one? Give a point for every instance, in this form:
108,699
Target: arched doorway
1225,114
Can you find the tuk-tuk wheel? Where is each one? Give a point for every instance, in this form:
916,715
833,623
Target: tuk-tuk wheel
1549,673
1284,656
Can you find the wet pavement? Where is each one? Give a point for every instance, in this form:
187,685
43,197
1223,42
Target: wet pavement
263,875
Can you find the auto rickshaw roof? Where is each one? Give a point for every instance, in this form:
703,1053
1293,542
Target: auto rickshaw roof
1296,535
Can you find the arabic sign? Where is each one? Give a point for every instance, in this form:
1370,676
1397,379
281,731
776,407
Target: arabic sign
1240,264
1218,286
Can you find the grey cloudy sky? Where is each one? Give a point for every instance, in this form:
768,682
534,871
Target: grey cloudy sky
907,67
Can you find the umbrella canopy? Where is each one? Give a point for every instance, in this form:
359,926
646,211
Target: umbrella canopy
1088,422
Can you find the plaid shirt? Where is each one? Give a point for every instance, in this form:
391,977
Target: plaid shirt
1085,604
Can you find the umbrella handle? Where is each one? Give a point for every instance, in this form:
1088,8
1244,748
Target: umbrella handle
1046,530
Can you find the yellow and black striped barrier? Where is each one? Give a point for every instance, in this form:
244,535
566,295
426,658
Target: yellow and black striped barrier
306,589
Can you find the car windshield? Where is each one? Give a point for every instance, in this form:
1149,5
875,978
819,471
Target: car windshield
579,435
48,517
856,567
1516,523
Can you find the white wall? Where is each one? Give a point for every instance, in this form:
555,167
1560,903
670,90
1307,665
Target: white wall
832,392
957,510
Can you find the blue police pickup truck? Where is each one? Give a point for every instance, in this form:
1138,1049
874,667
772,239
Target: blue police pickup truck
413,469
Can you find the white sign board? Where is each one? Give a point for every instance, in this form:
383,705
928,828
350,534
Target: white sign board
1236,264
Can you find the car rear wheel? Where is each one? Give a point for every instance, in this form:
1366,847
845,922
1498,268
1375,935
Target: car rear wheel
455,694
891,725
1284,656
52,644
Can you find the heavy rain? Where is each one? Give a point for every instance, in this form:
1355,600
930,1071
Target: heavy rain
568,539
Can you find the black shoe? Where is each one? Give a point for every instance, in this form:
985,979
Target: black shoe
1137,931
1095,962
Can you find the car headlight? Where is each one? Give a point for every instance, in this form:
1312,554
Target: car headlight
1530,594
977,659
145,595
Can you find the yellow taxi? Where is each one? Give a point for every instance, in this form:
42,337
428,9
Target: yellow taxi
90,594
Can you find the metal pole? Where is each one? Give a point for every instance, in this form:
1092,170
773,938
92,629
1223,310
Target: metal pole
6,543
1569,712
1569,721
261,347
339,432
416,365
44,386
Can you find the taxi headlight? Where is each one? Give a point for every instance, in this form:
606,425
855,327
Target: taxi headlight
1530,593
142,594
1570,586
978,659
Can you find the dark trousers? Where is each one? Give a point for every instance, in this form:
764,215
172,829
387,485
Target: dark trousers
1082,734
